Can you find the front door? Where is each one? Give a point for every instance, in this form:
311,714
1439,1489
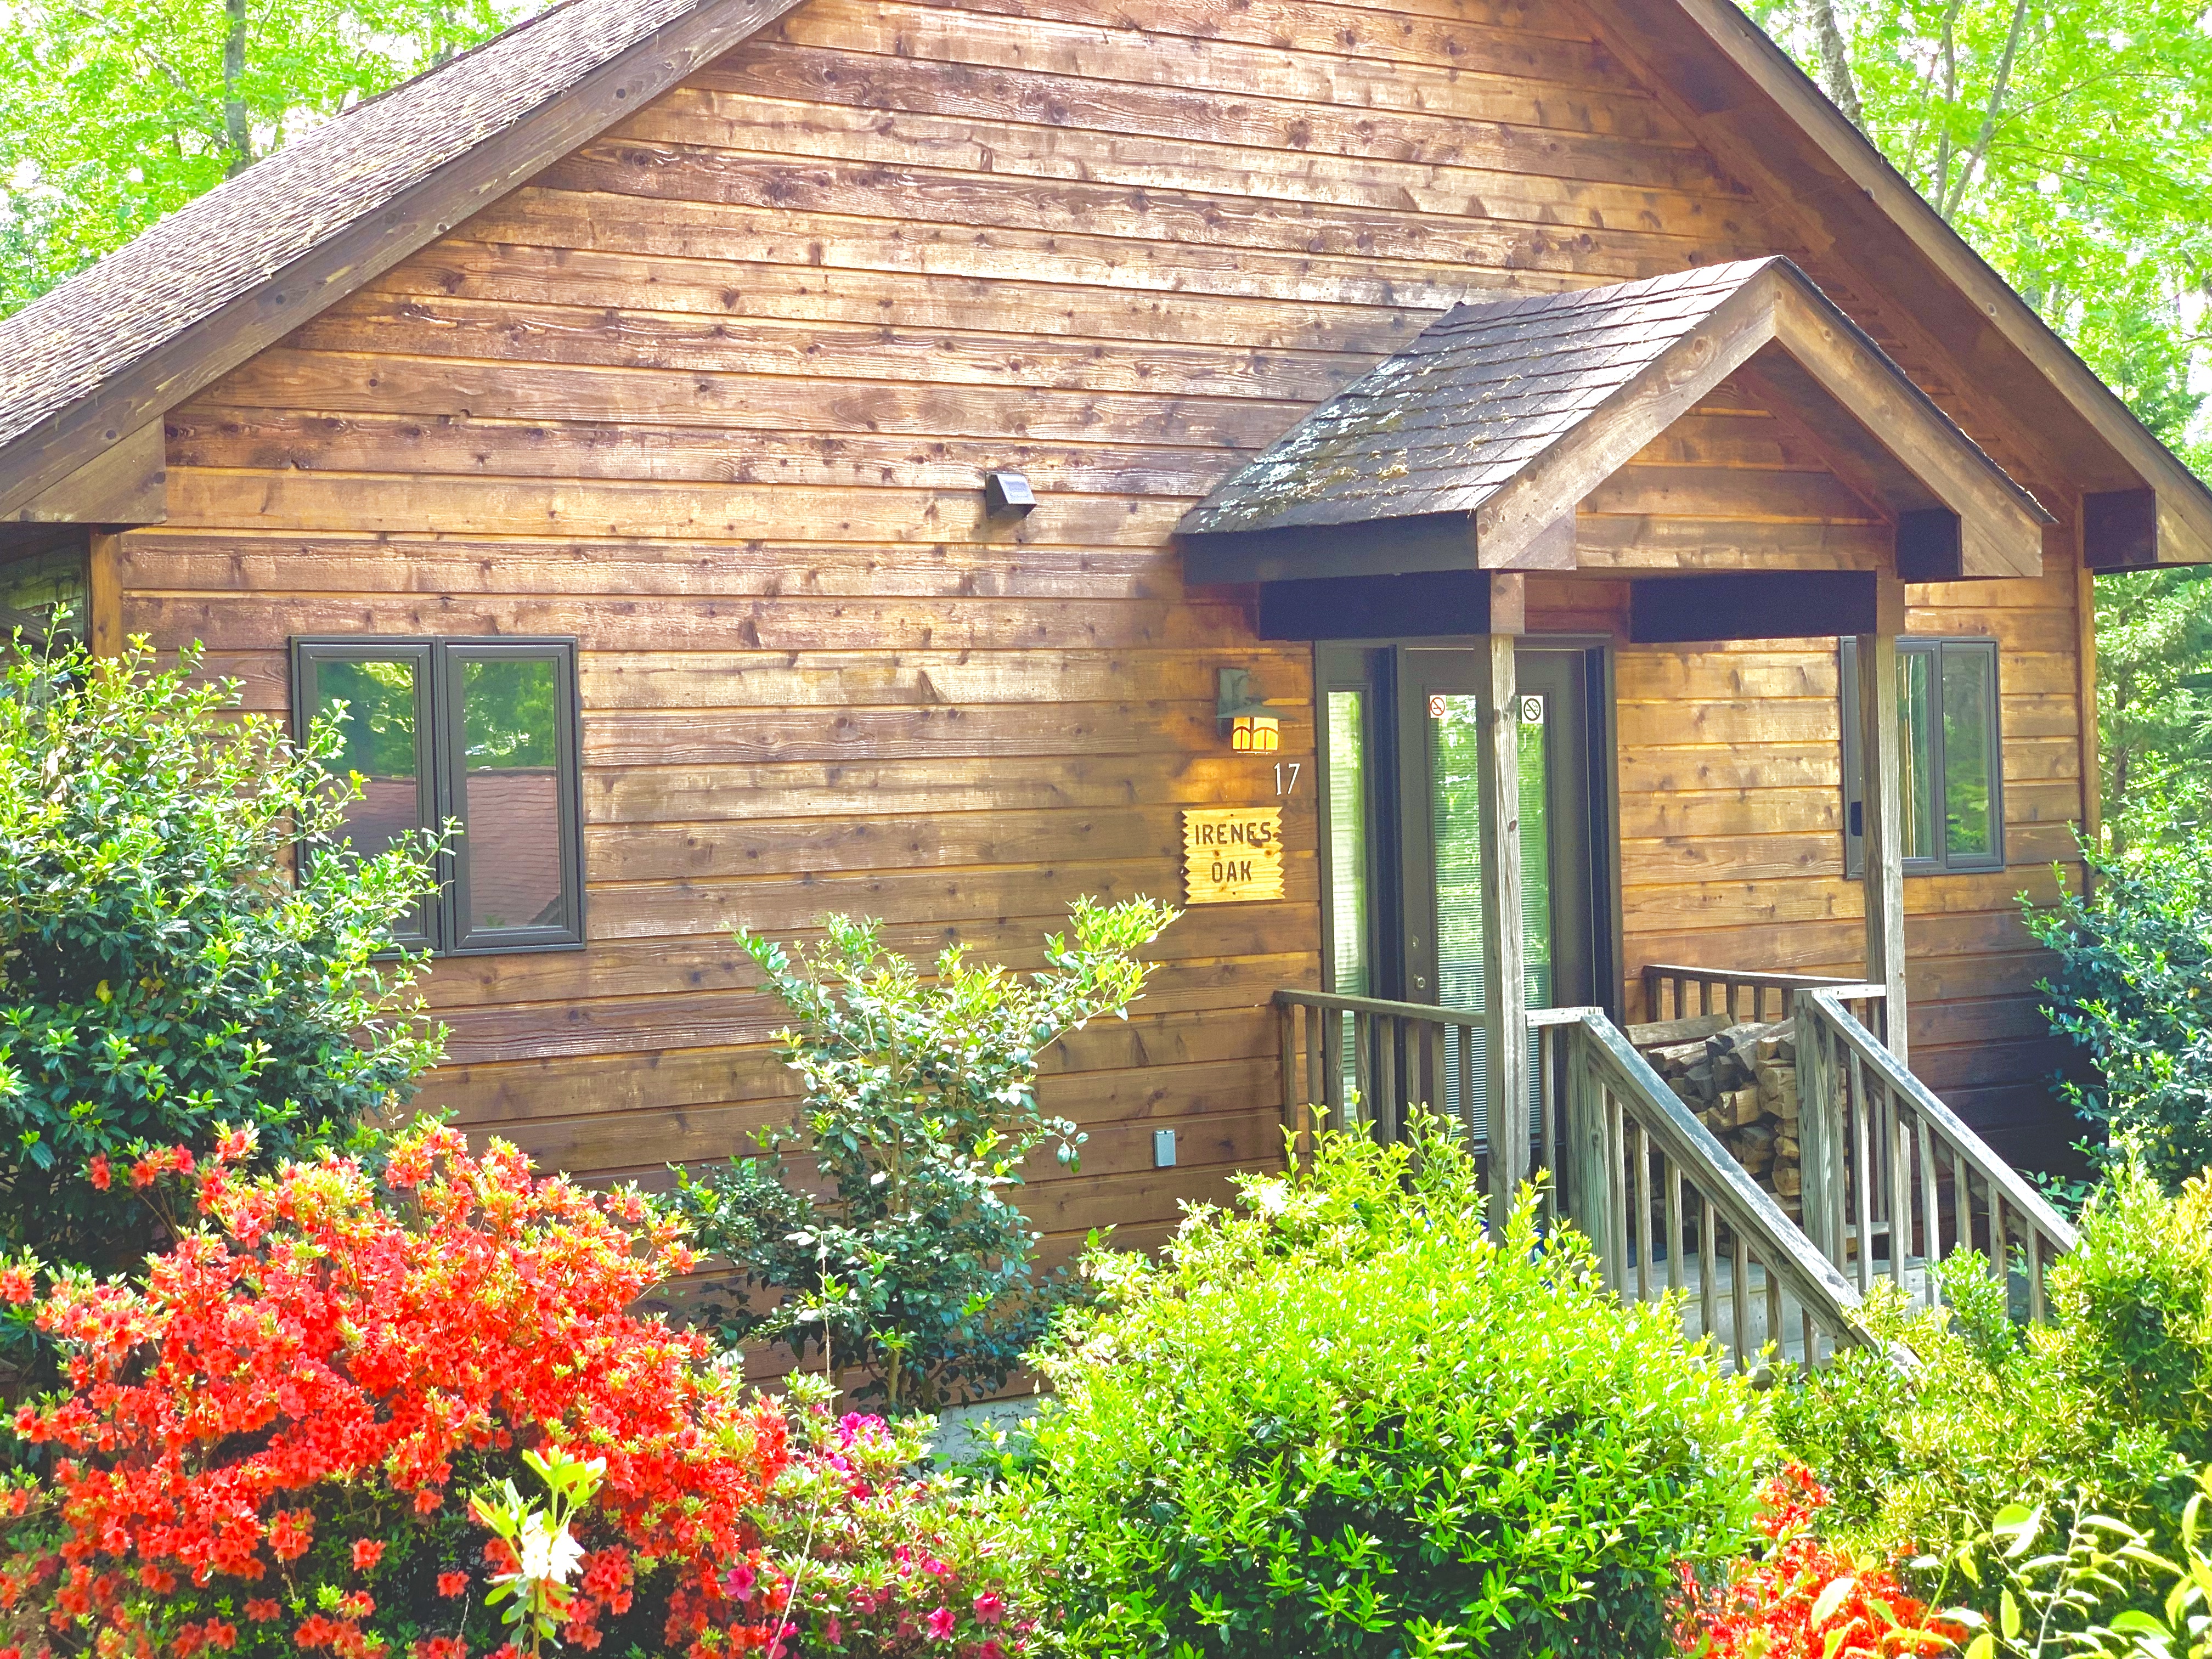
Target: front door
1400,798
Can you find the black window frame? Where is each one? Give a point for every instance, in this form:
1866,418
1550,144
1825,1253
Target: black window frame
1936,649
440,748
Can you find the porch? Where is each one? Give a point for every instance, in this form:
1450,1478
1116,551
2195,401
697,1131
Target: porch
1894,1181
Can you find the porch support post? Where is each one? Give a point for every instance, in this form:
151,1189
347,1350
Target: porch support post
1504,972
1882,810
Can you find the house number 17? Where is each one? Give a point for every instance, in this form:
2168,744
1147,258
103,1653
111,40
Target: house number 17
1282,786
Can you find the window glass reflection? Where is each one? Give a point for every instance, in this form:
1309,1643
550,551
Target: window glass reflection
512,783
379,742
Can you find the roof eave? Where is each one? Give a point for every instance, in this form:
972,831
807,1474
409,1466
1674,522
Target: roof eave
2184,501
363,248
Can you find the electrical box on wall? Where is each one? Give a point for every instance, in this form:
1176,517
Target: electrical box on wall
1163,1148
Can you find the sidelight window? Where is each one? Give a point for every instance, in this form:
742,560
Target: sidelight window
482,734
1950,758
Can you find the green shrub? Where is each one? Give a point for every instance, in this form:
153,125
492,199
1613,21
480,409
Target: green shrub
2100,1406
2134,991
1981,1411
162,968
920,1106
2134,1306
1344,1420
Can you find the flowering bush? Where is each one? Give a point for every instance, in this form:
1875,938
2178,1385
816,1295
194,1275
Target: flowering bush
265,1449
1804,1598
880,1563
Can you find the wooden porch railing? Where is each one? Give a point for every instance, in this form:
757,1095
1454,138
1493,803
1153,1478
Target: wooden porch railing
1671,991
1662,1202
1668,1209
1891,1173
1360,1060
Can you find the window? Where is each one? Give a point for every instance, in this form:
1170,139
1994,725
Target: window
46,592
482,733
1950,768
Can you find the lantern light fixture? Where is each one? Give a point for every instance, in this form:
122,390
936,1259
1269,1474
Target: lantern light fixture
1253,729
1008,495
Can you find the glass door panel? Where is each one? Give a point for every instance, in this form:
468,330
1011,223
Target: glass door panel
1350,891
1453,719
1401,815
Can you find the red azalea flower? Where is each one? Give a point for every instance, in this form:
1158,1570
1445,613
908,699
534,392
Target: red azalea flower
367,1552
97,1173
1767,1606
453,1583
261,1610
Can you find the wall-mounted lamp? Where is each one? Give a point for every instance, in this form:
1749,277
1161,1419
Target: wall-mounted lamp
1252,729
1008,495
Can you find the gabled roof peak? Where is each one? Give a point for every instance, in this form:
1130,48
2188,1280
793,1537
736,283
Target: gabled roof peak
1508,411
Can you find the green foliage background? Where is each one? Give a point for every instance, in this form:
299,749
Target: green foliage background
114,113
2071,144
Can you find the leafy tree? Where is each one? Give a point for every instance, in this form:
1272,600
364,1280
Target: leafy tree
114,113
2134,991
184,942
2153,700
2070,144
920,1106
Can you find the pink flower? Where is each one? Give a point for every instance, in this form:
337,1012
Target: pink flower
833,1630
940,1625
740,1582
990,1608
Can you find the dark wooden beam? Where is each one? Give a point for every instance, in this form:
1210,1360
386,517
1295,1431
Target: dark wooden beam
1435,542
1783,604
1426,604
2119,529
1930,547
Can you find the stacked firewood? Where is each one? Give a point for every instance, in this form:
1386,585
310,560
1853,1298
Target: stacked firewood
1740,1079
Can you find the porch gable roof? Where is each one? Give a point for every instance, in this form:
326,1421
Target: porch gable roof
1503,414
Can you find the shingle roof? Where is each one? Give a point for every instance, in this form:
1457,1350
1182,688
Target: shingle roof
1444,424
63,346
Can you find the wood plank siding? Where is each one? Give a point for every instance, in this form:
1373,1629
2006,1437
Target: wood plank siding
715,393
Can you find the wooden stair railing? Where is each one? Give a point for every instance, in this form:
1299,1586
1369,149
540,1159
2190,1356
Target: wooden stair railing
1890,1170
1666,1209
1662,1201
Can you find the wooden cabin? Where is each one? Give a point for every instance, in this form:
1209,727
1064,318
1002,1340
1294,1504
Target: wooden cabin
1376,474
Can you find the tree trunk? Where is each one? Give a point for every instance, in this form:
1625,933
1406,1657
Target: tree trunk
237,130
1836,63
1998,88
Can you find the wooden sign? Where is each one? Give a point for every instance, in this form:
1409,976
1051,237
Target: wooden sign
1233,854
